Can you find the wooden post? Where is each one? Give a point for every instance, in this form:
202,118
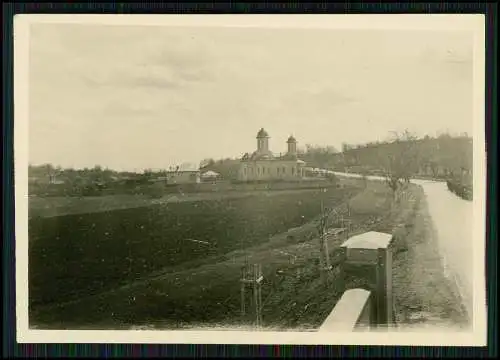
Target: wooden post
324,254
384,287
255,294
259,295
252,276
328,266
342,274
242,292
321,266
381,288
325,246
321,248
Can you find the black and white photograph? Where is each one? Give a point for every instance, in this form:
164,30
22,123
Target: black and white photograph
295,179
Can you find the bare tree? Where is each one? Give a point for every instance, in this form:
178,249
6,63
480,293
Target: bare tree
402,160
434,168
364,176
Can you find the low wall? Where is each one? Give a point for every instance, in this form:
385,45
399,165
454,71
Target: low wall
351,313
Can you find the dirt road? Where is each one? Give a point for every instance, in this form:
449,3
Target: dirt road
452,219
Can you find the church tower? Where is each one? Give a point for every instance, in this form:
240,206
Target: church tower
292,146
262,141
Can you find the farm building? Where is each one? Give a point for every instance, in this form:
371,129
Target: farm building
210,176
317,173
263,165
181,177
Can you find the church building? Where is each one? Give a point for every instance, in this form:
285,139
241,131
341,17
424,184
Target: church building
262,165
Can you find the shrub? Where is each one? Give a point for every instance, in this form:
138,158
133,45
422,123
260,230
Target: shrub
459,189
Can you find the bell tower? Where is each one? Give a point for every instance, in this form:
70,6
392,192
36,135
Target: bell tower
292,145
262,141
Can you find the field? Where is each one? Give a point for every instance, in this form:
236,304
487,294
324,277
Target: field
205,292
81,254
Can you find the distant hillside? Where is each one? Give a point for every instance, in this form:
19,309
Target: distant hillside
444,156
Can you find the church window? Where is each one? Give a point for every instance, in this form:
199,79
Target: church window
284,170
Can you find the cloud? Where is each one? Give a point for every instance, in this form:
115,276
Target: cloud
150,88
173,73
148,81
135,76
323,99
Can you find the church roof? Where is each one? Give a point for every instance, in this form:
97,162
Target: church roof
262,133
270,156
288,156
256,156
291,139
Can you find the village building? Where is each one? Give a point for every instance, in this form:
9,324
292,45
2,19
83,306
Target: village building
180,177
263,165
210,176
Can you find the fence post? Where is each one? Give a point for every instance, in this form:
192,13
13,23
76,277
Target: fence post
371,253
342,273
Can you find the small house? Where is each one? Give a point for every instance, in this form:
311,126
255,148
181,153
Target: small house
210,176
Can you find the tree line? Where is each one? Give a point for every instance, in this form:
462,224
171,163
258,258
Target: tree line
403,155
397,158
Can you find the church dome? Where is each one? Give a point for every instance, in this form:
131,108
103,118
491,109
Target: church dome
262,133
291,139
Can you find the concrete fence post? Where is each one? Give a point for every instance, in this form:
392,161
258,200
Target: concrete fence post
369,256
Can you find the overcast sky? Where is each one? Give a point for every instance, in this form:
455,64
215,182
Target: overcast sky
140,97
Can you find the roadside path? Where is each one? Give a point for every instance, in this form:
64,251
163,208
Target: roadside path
452,219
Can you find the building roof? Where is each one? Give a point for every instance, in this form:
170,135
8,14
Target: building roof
269,156
291,139
262,133
258,156
210,173
288,156
181,171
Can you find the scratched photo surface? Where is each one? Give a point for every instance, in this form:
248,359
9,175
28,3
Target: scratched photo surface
253,179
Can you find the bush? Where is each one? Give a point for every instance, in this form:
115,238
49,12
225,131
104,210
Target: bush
459,189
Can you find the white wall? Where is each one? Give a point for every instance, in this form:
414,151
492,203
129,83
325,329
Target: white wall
270,170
